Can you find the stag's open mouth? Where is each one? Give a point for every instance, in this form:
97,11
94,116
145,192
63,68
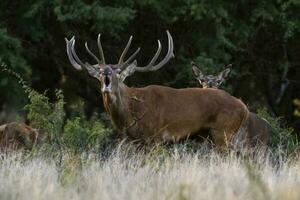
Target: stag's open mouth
106,84
106,81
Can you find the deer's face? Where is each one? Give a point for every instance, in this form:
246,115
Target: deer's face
210,81
108,75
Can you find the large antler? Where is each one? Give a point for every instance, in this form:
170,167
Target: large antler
75,60
151,66
170,54
130,69
127,66
121,62
77,64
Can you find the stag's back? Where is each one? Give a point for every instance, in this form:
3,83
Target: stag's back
180,112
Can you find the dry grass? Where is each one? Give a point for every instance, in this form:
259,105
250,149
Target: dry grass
131,174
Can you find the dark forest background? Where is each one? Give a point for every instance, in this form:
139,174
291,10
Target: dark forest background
261,39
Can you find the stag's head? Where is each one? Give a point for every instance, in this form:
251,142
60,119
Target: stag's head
111,75
207,81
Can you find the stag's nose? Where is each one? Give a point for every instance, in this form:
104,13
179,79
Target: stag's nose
107,71
210,83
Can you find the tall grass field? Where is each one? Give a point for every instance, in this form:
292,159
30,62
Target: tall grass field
131,173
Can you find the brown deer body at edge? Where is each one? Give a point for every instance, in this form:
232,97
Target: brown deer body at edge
161,113
256,129
17,135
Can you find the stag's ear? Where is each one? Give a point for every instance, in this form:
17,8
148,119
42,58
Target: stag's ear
197,72
224,74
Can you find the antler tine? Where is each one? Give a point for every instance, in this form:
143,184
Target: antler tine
74,59
169,55
69,52
121,62
125,51
77,58
153,60
74,53
91,53
131,57
100,48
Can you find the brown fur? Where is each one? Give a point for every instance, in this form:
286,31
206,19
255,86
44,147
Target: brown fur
253,133
167,114
16,135
258,130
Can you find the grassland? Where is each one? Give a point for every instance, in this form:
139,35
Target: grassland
128,172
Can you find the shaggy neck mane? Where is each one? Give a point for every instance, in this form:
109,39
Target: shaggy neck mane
117,107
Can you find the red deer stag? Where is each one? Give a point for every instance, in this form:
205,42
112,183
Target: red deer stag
15,136
156,112
257,130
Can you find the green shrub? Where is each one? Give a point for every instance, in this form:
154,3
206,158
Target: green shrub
282,139
77,133
44,115
80,134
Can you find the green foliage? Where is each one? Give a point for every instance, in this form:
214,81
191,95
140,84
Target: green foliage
80,135
282,140
46,116
77,134
10,54
113,19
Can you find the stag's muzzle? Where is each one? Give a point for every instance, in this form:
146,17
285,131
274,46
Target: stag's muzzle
106,83
106,79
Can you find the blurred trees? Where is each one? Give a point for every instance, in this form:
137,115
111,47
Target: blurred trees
260,38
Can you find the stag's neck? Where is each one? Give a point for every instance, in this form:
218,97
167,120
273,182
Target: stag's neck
116,106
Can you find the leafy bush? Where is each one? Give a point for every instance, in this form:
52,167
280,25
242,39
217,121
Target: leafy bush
48,117
77,133
282,139
80,134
